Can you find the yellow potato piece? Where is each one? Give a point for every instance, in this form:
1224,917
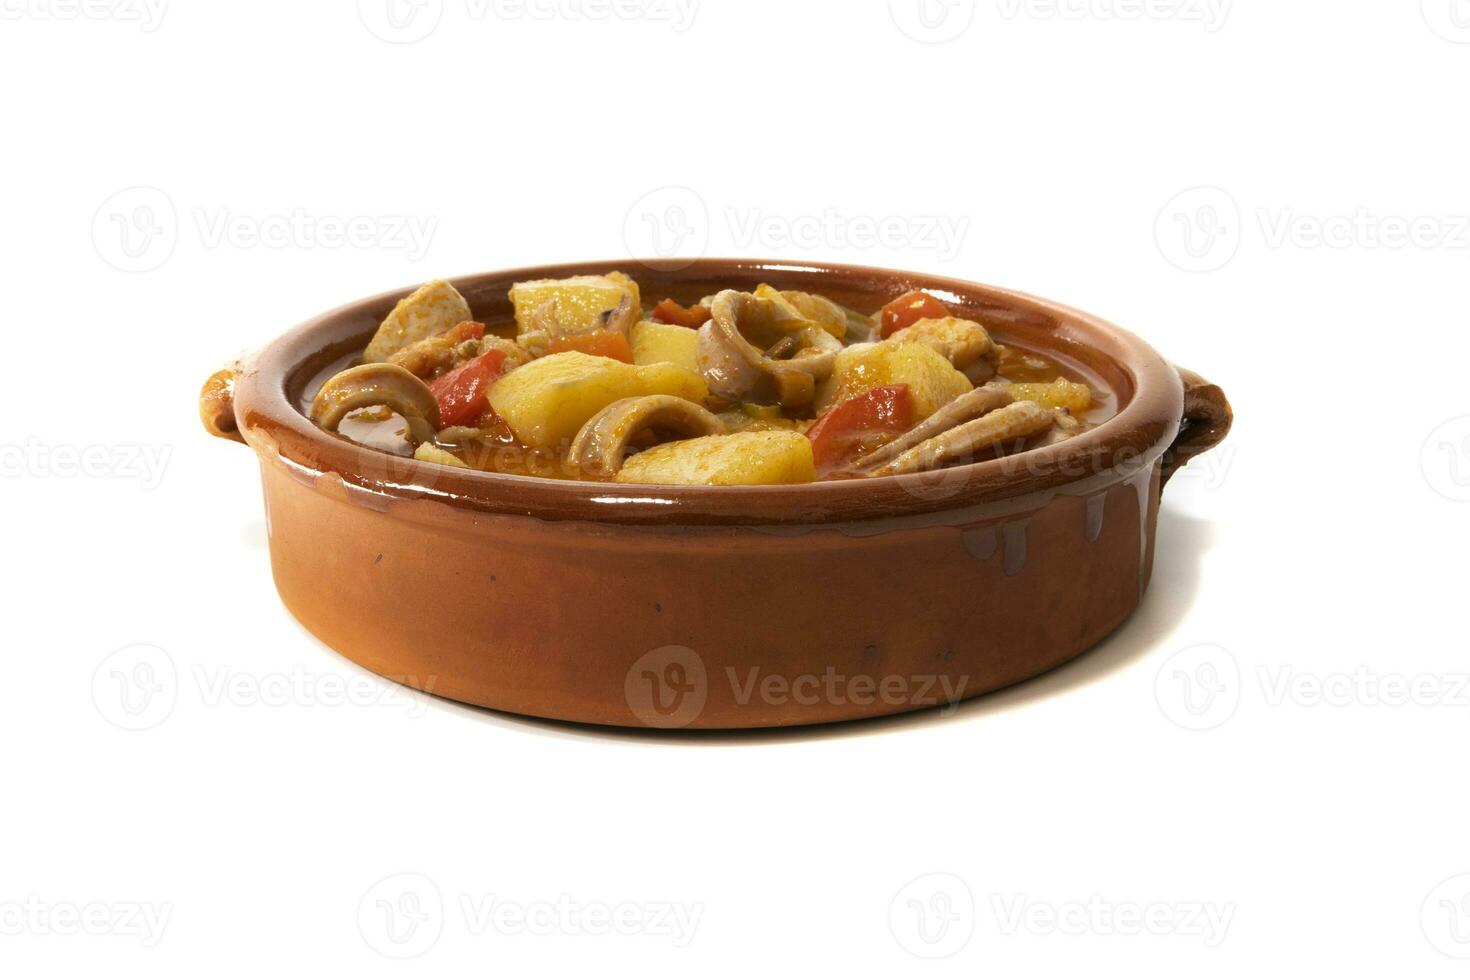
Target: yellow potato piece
578,302
1061,393
655,343
741,458
932,380
547,401
426,312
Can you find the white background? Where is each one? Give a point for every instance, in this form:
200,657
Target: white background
1307,573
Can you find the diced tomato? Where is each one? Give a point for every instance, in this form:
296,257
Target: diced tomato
600,343
838,435
461,393
465,330
910,308
668,311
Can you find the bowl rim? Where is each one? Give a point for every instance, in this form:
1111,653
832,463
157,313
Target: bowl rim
1129,441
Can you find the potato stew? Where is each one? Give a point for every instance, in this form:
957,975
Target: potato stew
764,387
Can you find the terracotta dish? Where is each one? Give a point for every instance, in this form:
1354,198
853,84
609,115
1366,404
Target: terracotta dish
718,606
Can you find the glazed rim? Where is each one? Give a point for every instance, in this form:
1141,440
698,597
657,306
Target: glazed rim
271,385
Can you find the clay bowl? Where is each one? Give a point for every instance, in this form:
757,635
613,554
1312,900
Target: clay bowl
719,607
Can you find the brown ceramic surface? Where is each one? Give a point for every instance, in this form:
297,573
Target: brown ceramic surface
719,607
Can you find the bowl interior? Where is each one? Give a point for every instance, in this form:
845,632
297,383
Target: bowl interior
270,400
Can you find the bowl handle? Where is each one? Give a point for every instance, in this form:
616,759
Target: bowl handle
1207,418
217,404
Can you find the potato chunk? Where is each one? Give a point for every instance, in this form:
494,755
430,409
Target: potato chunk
728,460
932,380
427,311
962,342
655,343
1061,393
547,401
577,304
